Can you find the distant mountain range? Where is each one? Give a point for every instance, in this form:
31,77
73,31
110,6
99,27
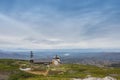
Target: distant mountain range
12,55
63,50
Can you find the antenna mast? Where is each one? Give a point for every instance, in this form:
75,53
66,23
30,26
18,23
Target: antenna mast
31,57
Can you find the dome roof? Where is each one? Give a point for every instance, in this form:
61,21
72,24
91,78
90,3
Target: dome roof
56,57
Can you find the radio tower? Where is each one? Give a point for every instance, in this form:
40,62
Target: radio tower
31,57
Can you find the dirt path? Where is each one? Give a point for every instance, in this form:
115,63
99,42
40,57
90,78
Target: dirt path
45,73
4,77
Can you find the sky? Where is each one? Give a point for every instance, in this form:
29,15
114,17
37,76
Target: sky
59,24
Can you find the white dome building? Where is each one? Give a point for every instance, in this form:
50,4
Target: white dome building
56,60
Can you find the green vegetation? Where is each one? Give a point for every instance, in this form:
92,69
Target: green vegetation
81,71
38,67
10,68
63,72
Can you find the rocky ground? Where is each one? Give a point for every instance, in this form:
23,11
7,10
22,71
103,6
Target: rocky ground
3,76
95,78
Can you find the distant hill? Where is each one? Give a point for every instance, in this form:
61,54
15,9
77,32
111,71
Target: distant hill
12,55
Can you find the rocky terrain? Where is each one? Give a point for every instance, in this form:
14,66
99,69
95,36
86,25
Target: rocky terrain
95,78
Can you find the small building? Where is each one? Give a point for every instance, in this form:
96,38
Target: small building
45,62
56,60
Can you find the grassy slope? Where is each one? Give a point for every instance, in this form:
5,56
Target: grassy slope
62,72
10,69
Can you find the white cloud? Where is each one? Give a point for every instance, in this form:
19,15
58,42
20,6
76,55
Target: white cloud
48,28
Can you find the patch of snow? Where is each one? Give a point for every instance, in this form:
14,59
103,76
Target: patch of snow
66,54
25,69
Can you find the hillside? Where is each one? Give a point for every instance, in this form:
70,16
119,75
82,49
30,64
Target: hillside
9,70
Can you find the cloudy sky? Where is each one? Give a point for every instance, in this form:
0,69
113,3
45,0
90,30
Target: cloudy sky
60,24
